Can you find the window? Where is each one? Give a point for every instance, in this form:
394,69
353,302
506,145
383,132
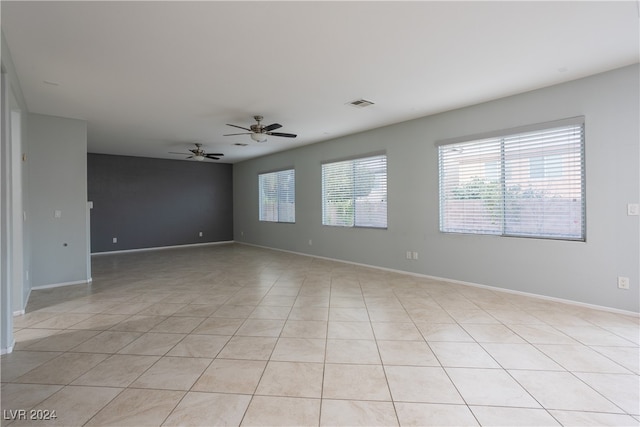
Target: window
354,192
527,184
277,196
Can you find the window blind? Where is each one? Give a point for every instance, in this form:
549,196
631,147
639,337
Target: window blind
354,192
529,184
277,196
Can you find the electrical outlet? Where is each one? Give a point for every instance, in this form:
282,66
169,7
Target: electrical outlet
115,240
408,255
632,209
200,234
414,255
310,242
623,282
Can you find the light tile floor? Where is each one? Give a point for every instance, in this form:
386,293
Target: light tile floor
237,335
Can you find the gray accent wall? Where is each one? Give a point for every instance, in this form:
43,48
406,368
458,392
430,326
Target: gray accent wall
57,199
148,203
584,272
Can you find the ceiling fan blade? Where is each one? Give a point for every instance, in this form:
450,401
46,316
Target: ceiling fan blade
214,154
239,127
243,133
212,157
190,157
271,127
285,135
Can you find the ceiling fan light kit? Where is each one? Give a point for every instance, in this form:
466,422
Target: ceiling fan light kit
259,137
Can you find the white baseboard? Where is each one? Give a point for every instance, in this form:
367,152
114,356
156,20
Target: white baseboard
460,282
543,297
26,301
24,307
8,349
57,285
160,248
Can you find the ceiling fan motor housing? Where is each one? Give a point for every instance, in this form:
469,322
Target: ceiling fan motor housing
257,128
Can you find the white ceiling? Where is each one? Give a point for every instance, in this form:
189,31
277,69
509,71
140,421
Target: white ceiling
152,77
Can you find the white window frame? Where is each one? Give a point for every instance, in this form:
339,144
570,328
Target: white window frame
541,189
343,180
282,207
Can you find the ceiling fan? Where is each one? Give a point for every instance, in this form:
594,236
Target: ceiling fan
199,154
259,132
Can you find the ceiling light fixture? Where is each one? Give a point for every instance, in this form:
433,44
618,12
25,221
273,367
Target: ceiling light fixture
198,157
259,137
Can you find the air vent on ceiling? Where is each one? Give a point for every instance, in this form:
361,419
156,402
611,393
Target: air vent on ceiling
361,103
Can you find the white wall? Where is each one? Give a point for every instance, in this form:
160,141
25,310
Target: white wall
13,248
584,272
52,178
6,321
57,182
17,209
